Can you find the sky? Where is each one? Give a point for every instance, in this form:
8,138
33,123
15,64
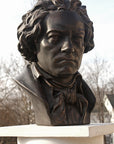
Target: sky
101,12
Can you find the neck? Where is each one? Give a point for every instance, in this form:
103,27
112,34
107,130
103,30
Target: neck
63,80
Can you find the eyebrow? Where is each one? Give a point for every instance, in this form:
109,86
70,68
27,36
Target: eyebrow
54,31
79,32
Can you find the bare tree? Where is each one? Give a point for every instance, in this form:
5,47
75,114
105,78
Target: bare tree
15,106
96,75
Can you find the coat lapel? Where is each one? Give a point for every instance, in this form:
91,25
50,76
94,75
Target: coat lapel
34,89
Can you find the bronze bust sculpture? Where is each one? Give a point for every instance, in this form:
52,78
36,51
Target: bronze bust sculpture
53,37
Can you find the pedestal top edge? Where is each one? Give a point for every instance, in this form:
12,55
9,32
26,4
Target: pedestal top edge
34,130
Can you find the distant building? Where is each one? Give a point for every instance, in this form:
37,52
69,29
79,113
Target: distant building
108,114
109,104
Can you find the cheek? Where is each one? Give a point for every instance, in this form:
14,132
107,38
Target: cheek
50,48
80,57
44,45
80,48
44,51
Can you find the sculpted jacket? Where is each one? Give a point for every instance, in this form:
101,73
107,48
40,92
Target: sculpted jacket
55,104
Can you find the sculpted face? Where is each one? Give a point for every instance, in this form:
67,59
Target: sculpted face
62,46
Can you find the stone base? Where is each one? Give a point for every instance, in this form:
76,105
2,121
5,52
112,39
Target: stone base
34,134
93,140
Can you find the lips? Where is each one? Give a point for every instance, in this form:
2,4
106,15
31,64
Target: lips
65,60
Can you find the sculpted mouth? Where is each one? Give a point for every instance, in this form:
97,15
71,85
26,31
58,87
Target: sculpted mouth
65,60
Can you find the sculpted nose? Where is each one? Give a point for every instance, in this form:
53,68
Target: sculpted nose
67,45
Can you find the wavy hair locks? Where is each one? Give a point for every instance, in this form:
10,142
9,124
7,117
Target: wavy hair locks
30,30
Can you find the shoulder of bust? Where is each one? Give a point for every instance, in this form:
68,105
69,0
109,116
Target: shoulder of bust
32,86
27,81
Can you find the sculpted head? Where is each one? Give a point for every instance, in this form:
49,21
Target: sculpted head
55,34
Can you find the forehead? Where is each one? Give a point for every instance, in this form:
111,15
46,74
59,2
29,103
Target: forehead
64,21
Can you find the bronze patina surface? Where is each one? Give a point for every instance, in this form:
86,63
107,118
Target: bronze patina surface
53,37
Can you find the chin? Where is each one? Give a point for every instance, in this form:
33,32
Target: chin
65,71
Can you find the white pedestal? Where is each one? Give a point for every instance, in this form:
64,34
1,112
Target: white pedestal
33,134
69,140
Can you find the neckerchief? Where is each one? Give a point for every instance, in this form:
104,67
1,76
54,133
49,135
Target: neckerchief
70,93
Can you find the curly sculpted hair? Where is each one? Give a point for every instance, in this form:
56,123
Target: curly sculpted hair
30,30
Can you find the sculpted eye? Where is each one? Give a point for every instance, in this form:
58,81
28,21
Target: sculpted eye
77,39
53,39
